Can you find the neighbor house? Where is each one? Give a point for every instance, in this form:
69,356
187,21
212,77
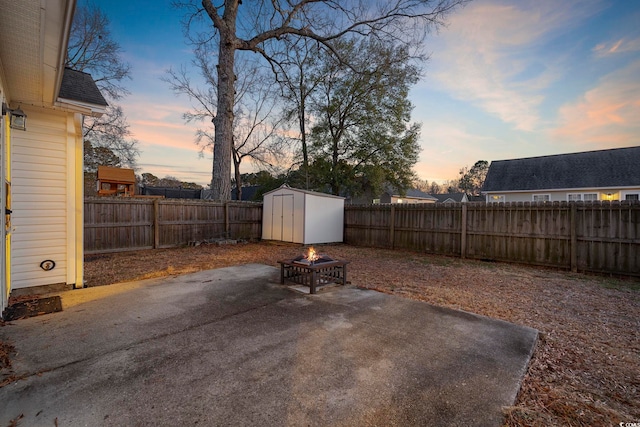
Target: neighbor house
586,176
115,181
451,198
412,195
41,150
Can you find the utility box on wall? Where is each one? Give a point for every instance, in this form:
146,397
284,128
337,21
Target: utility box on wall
302,216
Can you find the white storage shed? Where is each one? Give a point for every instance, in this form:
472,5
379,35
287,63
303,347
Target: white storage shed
302,216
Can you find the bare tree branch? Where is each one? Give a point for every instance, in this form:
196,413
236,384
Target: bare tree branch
397,21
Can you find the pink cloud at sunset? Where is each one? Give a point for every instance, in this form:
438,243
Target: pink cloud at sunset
485,56
607,114
618,46
447,148
156,120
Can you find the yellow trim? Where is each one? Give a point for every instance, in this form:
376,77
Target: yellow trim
75,202
79,197
7,194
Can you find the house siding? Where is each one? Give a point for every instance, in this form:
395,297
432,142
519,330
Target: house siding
40,219
409,200
562,196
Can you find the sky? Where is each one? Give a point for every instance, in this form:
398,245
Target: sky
505,79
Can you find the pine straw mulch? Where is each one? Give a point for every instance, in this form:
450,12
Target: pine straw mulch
6,351
585,370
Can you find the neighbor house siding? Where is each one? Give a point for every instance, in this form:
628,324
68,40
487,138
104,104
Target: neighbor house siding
561,196
41,214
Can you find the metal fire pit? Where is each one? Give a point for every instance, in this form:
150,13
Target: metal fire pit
313,274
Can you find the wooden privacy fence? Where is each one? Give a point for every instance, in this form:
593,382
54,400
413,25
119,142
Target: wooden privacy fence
125,224
601,237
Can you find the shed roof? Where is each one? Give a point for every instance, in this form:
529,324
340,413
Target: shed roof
591,169
309,192
120,175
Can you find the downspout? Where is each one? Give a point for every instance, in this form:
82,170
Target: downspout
75,201
4,291
79,202
75,251
64,43
5,175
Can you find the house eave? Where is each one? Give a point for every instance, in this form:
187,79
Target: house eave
70,8
84,108
33,41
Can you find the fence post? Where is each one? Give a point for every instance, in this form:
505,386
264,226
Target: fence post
573,246
392,222
156,224
463,232
226,220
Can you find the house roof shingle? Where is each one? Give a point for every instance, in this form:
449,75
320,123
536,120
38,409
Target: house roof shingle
592,169
79,86
121,175
455,197
413,193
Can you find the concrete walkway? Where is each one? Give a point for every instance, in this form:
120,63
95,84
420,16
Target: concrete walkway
233,347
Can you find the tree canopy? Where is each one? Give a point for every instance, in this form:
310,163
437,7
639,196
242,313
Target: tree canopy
472,180
259,26
150,180
362,138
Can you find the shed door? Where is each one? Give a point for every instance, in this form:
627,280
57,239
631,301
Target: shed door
282,218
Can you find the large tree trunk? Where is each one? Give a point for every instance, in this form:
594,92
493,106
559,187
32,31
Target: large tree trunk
223,122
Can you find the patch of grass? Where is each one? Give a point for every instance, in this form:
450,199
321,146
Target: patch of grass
620,284
492,264
440,261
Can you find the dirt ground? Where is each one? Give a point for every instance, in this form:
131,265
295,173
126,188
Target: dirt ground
586,367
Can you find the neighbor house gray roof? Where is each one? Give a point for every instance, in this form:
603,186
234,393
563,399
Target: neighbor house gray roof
455,197
592,169
79,86
411,193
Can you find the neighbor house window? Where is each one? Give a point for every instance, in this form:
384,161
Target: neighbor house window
376,201
542,197
497,198
632,196
587,197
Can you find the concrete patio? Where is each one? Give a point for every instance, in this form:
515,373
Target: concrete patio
234,347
